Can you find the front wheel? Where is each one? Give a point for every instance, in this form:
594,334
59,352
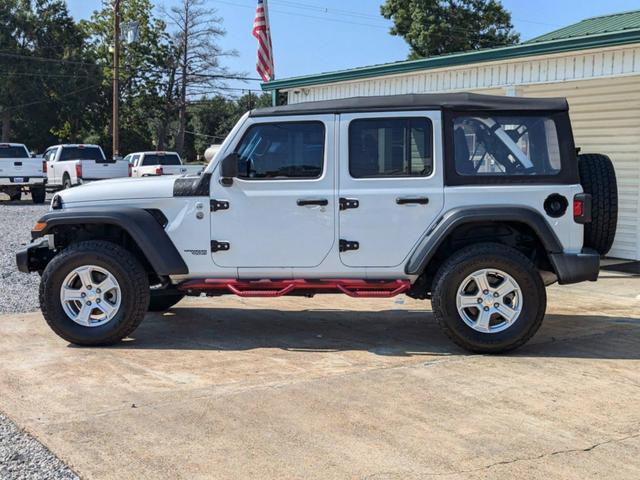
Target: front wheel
489,298
94,293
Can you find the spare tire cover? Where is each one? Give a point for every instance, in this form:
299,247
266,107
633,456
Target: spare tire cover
598,178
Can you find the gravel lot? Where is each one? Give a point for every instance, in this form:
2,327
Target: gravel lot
23,457
19,290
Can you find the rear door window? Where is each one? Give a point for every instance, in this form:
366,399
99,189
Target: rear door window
390,147
9,151
81,153
506,146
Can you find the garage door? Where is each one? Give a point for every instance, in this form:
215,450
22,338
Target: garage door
606,119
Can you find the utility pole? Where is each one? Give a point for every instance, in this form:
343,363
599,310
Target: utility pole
116,78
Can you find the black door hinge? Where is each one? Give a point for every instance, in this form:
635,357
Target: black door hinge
346,203
219,205
217,246
346,245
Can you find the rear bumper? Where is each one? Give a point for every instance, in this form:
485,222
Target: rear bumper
26,181
33,257
576,267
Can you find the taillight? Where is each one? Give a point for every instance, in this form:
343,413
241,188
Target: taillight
130,169
79,170
44,166
159,171
582,208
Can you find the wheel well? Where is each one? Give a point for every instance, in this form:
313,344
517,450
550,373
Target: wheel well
517,235
65,235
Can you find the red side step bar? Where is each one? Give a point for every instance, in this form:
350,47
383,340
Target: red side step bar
279,288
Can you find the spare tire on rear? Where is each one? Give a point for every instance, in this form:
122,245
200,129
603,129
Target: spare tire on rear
598,178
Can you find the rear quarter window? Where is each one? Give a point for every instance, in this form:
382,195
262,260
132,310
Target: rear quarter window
509,147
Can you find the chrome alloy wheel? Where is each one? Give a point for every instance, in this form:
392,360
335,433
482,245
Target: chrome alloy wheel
489,300
90,296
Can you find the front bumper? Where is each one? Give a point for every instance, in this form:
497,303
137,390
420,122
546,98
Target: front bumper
34,257
576,267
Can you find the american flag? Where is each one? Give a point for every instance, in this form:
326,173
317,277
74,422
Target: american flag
262,32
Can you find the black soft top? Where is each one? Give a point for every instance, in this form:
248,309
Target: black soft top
438,101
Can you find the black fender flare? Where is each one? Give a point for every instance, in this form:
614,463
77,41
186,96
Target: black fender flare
452,219
143,228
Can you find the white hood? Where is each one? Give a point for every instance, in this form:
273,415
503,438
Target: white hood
120,189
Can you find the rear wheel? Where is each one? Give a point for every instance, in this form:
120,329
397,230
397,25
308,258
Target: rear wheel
38,194
94,293
489,298
598,178
15,196
66,182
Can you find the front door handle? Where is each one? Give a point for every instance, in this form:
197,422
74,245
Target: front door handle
304,202
412,200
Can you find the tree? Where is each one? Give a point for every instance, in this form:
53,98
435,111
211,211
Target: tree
198,71
144,69
46,77
436,27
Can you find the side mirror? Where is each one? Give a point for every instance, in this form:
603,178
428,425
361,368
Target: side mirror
229,169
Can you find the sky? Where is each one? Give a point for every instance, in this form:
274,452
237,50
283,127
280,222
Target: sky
313,36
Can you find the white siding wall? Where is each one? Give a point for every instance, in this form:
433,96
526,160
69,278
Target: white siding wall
588,64
603,89
605,115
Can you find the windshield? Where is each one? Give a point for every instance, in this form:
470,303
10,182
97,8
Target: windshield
81,153
161,159
8,151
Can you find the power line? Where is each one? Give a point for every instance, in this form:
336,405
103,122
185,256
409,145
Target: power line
46,59
15,107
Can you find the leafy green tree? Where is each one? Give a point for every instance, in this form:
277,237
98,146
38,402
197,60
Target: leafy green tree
211,119
46,77
144,69
436,27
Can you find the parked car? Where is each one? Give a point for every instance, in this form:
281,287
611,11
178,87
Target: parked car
150,164
71,165
472,201
19,173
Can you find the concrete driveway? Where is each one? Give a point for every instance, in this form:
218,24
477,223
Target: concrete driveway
336,388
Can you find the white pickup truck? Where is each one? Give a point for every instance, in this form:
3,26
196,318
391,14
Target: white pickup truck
151,164
21,173
70,165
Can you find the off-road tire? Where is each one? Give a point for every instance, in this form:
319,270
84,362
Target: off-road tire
598,178
476,257
38,195
130,274
162,303
66,182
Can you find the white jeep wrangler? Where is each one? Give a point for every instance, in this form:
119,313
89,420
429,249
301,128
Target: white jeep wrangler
474,202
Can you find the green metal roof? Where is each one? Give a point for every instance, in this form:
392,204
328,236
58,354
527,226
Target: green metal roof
596,32
616,22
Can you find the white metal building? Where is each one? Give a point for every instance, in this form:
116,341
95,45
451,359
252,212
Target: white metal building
595,64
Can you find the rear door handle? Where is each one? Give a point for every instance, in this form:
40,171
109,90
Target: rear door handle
303,202
412,200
